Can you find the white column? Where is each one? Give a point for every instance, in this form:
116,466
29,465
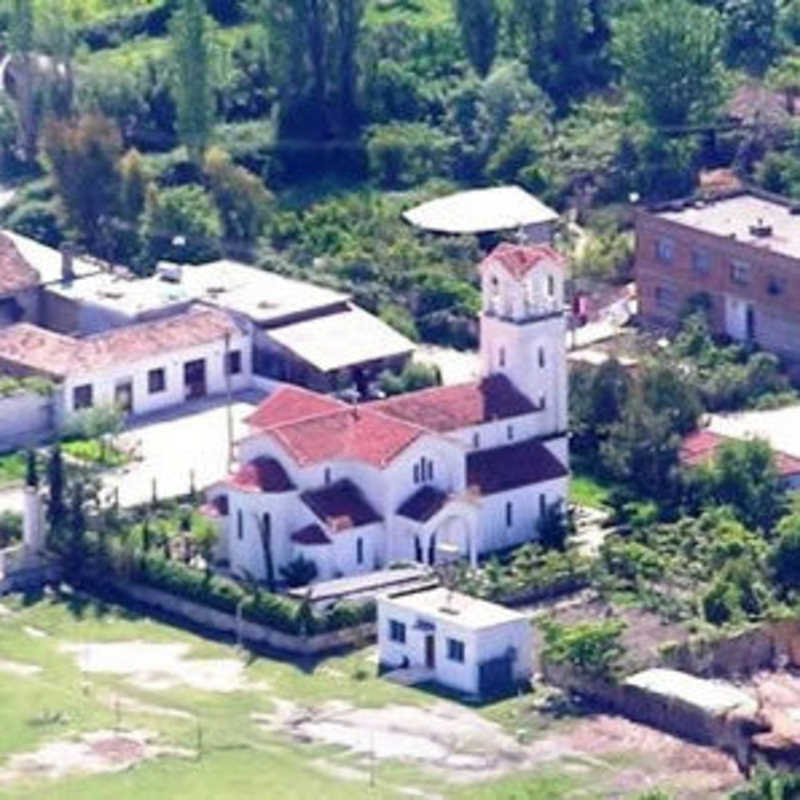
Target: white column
33,522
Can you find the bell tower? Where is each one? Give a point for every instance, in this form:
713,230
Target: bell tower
523,325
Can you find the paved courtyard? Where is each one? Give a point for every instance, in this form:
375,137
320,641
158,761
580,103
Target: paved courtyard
171,446
781,427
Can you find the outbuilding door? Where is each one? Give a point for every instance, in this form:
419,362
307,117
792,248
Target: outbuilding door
194,378
495,677
430,651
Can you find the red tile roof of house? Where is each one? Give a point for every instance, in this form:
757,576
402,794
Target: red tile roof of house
505,468
356,433
290,404
423,504
16,274
340,506
518,260
41,350
261,475
310,535
450,408
699,447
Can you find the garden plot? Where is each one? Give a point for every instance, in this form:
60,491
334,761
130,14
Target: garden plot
159,667
91,753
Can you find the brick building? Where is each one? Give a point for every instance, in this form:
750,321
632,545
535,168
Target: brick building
741,250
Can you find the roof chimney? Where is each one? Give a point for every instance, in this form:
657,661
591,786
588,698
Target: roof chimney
761,229
67,262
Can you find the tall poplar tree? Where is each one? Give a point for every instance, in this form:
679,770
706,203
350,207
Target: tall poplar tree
20,38
479,23
192,87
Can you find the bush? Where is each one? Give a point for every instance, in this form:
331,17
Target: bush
413,378
404,154
38,220
591,647
10,528
299,572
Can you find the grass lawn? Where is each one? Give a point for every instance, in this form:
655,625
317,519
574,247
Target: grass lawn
12,468
588,490
240,758
91,451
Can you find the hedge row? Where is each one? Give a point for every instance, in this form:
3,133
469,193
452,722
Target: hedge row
274,611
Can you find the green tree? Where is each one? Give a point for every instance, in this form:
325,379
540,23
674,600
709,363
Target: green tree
568,26
190,33
56,507
785,557
670,54
665,389
299,572
84,154
530,23
752,33
479,23
21,42
785,78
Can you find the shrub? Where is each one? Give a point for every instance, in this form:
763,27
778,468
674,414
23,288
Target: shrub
299,572
403,154
38,220
591,647
413,378
10,528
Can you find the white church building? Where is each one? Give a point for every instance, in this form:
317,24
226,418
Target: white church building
472,467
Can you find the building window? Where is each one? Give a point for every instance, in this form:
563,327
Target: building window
551,286
359,551
416,473
455,650
665,298
476,440
541,357
542,505
239,525
665,250
82,397
740,273
429,469
502,357
776,285
510,432
397,631
234,362
156,381
327,476
542,402
701,262
509,515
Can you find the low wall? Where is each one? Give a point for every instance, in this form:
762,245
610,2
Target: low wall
24,418
251,632
727,732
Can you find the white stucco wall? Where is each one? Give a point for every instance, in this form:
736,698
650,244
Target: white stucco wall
104,381
479,646
23,418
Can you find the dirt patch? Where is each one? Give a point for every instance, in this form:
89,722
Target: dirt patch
464,746
34,633
18,669
91,753
160,667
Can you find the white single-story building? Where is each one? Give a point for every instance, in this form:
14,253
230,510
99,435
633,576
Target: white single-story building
466,644
141,368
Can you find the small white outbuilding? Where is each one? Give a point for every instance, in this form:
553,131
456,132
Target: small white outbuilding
457,641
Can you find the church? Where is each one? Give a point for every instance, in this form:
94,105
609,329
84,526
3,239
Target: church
467,469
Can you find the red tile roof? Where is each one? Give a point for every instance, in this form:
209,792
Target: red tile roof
510,467
44,351
699,447
16,274
340,506
518,260
310,535
290,404
355,433
423,504
450,408
261,475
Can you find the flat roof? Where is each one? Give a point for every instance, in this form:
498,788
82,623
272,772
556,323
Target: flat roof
732,217
476,211
456,608
714,697
262,296
341,339
47,261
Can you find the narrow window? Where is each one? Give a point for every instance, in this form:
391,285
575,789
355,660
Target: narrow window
416,473
239,525
701,262
156,381
541,357
665,250
502,357
234,362
740,273
359,551
455,650
542,505
429,473
327,475
551,286
397,631
542,402
82,397
510,432
509,515
476,440
776,285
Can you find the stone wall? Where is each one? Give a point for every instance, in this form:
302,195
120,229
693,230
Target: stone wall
251,632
